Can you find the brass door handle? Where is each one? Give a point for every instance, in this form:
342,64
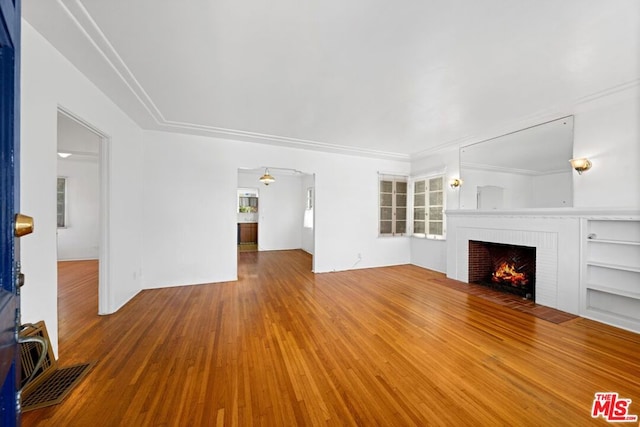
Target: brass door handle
24,225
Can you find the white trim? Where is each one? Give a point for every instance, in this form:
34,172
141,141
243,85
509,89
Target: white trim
105,303
104,282
66,204
595,213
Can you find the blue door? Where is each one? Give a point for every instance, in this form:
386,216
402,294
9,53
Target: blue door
9,204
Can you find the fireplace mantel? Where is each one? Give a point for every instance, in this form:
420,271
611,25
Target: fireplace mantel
599,213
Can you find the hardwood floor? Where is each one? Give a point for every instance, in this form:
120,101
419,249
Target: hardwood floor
282,346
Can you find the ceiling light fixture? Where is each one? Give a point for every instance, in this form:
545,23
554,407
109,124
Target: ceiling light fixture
64,155
267,179
581,164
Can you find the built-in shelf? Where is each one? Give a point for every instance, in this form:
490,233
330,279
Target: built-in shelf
610,278
615,291
615,266
615,242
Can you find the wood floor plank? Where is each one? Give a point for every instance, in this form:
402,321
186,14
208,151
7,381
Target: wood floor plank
282,346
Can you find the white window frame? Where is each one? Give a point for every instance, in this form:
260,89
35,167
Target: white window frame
309,204
308,210
427,206
65,203
395,179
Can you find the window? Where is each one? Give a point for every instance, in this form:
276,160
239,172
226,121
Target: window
428,207
62,202
309,204
308,210
393,205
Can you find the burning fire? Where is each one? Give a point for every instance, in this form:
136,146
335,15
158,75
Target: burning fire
507,273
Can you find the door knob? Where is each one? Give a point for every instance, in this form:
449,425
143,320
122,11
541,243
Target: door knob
24,225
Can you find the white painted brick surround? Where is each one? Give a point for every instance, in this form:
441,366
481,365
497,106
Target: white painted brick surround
556,237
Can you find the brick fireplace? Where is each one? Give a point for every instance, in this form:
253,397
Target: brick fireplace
573,250
505,267
555,235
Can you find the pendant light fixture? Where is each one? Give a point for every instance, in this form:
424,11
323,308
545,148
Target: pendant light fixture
267,179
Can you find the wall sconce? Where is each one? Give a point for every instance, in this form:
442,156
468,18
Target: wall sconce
267,179
580,165
455,183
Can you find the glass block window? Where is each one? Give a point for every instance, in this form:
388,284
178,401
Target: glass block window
393,205
428,207
62,202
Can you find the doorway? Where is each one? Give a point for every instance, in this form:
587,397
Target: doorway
82,198
248,218
285,207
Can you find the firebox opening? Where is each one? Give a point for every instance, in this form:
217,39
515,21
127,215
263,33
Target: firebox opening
507,268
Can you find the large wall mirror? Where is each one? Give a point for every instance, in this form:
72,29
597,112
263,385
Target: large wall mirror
524,169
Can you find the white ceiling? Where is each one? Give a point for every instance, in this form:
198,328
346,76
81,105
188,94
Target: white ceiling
374,77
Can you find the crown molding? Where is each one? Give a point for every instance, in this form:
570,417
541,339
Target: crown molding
246,136
94,34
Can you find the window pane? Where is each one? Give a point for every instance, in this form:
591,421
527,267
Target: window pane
401,187
401,213
418,227
309,198
401,227
61,202
435,199
401,200
386,199
418,187
418,213
435,214
386,214
386,186
435,228
385,227
418,200
435,184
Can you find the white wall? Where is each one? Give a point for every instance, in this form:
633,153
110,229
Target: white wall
193,238
49,81
607,131
280,224
80,238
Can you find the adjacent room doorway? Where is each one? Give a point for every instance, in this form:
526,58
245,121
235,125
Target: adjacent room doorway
284,208
82,198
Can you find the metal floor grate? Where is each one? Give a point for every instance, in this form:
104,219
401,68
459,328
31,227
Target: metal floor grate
56,387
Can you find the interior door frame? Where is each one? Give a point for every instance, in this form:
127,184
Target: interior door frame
104,288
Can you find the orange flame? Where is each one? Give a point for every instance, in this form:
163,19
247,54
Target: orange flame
507,273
